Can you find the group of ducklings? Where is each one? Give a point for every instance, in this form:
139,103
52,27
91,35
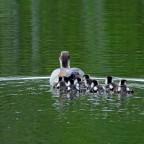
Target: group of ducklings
77,84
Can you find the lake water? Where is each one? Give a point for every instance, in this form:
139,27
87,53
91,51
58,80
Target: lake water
103,38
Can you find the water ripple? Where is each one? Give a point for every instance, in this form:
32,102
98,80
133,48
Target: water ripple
48,77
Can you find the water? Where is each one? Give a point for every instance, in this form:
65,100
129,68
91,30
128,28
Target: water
103,38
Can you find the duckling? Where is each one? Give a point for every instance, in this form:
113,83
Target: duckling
87,81
79,83
109,84
96,87
72,85
61,85
123,89
58,83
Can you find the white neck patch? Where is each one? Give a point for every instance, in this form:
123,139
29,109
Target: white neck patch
120,83
68,88
128,89
92,84
68,83
119,89
106,81
110,86
75,81
95,88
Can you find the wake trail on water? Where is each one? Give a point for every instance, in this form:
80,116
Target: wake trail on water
118,78
22,78
133,81
48,77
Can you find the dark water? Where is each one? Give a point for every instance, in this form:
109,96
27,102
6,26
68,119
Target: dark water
103,38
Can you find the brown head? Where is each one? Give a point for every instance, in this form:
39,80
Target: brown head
64,59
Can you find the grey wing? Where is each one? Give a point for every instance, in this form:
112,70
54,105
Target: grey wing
81,73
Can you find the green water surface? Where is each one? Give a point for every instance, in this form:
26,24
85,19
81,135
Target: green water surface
103,38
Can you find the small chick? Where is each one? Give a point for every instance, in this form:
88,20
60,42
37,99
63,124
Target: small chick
72,85
96,88
57,84
60,85
87,81
109,84
123,89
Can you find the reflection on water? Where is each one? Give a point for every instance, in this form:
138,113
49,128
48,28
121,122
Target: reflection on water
104,38
29,106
